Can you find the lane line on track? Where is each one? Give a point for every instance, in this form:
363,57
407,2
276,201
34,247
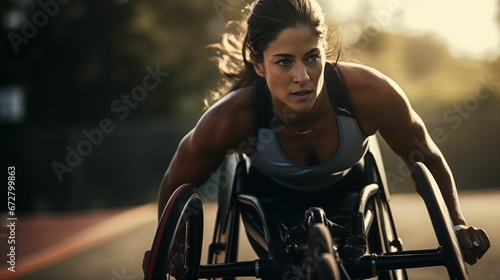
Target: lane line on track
83,240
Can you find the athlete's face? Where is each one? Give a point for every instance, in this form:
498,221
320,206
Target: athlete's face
293,66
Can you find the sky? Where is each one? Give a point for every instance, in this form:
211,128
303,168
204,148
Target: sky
467,26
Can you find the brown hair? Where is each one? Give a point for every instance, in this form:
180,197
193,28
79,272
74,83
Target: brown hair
246,43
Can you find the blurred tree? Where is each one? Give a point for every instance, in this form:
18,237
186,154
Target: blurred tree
86,54
73,61
422,56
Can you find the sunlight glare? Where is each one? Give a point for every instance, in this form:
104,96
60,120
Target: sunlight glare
468,27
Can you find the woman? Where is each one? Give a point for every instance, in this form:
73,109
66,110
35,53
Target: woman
298,138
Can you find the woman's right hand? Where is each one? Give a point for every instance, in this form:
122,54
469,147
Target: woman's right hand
145,261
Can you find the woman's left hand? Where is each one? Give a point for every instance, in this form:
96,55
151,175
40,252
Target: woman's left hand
473,241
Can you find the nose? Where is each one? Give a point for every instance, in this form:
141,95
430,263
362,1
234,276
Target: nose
300,74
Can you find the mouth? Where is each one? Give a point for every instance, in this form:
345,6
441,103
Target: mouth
302,94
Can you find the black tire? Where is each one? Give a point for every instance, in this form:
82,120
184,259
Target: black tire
321,262
381,237
440,218
226,241
178,241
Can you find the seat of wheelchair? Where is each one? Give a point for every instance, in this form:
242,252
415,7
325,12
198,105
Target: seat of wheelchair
268,220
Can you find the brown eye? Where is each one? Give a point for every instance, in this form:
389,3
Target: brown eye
284,63
314,58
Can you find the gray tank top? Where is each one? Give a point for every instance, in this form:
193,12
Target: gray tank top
269,158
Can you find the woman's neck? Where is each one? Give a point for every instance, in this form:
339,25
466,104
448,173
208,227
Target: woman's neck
301,123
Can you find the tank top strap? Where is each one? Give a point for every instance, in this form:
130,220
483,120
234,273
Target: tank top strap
339,94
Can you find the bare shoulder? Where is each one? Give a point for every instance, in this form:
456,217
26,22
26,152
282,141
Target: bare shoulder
374,95
228,122
361,77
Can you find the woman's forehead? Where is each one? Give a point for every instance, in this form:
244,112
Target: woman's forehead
295,41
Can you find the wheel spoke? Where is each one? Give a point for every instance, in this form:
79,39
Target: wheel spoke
177,244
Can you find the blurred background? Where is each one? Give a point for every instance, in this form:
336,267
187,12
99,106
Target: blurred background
85,128
95,95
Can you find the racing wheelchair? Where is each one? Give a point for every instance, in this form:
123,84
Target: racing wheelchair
314,248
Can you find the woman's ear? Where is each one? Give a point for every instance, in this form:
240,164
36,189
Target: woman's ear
259,69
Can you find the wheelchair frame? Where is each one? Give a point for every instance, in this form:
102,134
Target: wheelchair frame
376,251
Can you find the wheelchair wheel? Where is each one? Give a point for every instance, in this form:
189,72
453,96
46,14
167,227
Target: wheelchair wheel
321,262
224,247
440,218
382,238
176,249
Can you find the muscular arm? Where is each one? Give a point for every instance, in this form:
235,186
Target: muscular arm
190,164
201,151
383,106
406,134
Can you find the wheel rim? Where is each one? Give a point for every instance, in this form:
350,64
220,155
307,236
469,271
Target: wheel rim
177,244
441,222
182,257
